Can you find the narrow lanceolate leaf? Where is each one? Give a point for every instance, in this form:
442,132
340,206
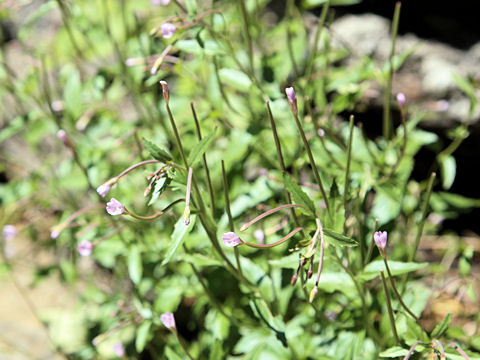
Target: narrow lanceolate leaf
142,336
200,148
178,234
373,269
135,266
299,196
394,352
339,239
157,152
442,327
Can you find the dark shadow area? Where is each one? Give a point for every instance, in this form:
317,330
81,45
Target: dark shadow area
454,24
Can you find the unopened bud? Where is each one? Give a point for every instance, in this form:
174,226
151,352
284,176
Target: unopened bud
166,92
186,215
380,238
57,105
310,268
147,191
401,99
62,135
292,99
313,293
294,279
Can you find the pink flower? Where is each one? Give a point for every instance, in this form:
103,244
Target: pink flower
168,320
85,248
160,2
118,349
54,233
292,99
9,232
103,190
114,207
167,29
380,238
231,239
401,99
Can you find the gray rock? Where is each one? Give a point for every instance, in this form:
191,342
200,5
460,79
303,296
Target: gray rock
427,77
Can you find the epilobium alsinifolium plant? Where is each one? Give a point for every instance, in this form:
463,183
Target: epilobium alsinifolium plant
207,165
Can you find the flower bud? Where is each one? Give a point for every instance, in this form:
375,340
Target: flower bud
313,293
114,207
118,349
85,248
167,29
401,99
294,279
168,320
9,232
166,92
62,135
231,239
380,238
186,215
103,190
292,99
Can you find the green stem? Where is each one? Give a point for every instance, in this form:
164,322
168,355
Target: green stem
156,215
183,345
424,216
264,246
229,214
371,245
387,121
267,213
205,164
404,144
349,160
246,26
318,32
370,329
210,296
394,287
313,165
278,146
389,308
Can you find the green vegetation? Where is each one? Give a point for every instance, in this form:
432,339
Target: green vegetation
86,119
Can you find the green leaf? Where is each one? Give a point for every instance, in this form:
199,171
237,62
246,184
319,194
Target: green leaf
336,281
262,311
394,352
192,46
178,234
314,3
339,239
160,186
298,194
157,152
372,270
200,148
448,167
171,355
135,266
201,260
236,79
442,327
142,336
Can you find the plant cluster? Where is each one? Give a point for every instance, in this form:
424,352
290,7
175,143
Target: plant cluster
199,174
